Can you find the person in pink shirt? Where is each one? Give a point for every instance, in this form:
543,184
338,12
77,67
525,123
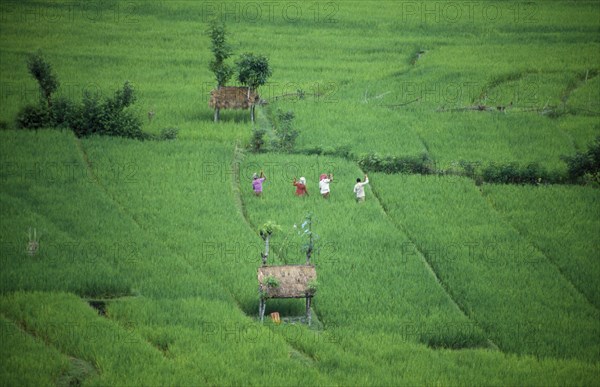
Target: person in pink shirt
257,182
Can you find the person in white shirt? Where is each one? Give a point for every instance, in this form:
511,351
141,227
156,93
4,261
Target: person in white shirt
324,181
359,189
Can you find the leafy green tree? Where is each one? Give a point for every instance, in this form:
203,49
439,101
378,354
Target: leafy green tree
253,70
221,50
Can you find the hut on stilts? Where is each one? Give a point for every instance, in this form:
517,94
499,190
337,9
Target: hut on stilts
234,97
286,281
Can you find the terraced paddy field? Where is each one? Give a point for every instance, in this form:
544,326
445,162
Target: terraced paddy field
144,272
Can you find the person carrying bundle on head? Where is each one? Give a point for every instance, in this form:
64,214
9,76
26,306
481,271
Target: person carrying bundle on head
324,181
257,182
300,187
359,189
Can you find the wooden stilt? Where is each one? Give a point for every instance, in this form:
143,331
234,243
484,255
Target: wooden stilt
308,314
261,309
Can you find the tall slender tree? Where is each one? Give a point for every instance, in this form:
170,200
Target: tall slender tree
221,50
41,70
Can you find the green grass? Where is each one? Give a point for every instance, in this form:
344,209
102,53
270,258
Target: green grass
388,287
498,276
430,281
540,215
26,359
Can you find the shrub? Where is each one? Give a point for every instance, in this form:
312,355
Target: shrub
581,164
33,117
469,167
342,151
513,173
59,115
257,141
394,164
123,124
116,121
108,117
285,133
168,134
62,113
316,150
87,117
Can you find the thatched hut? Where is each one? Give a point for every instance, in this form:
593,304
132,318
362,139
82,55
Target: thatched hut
288,281
233,97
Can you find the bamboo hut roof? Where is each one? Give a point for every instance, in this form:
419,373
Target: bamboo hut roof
293,281
232,97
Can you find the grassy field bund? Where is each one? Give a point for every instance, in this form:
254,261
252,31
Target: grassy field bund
145,272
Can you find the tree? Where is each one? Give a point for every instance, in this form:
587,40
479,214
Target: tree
42,72
253,71
221,50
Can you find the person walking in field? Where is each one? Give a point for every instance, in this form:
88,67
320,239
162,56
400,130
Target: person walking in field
359,189
324,181
300,187
257,182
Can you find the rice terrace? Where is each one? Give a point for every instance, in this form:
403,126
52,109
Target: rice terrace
349,193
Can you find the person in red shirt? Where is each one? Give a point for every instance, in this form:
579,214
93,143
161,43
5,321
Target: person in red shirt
300,187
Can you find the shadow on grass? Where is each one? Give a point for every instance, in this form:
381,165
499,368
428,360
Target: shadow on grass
79,370
227,116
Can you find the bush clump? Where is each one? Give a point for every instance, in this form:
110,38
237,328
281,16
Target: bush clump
285,134
168,134
33,117
513,173
93,115
397,164
584,167
257,141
